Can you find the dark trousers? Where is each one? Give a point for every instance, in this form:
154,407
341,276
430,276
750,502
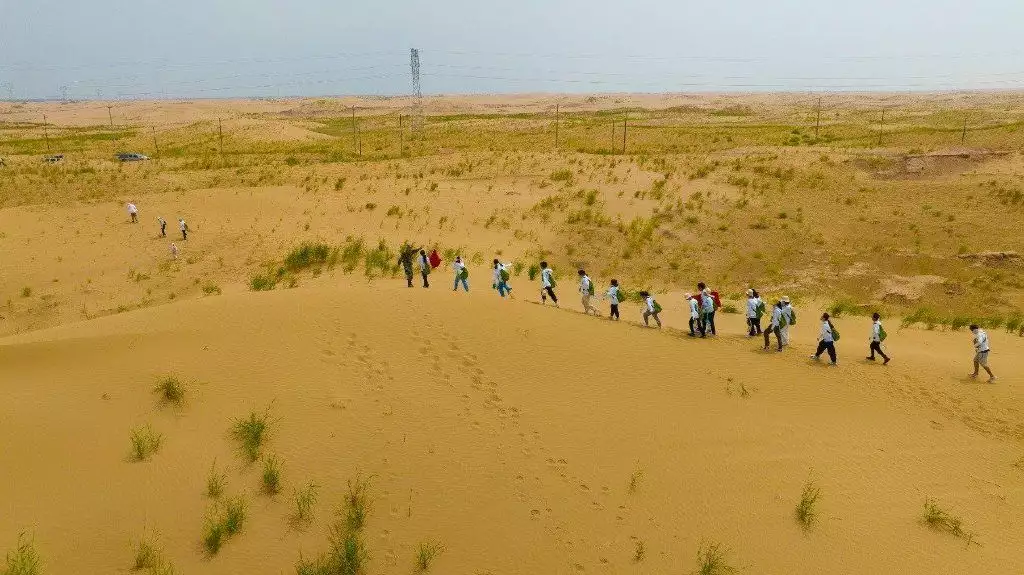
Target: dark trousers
767,337
426,283
615,311
163,230
754,323
184,234
408,273
828,346
709,322
694,322
548,292
876,346
135,218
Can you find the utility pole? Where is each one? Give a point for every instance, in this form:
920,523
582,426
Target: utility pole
355,132
401,138
817,121
963,135
156,146
46,134
556,126
624,133
881,125
613,137
220,133
111,116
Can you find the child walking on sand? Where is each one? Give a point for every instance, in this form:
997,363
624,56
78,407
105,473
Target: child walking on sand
615,298
878,335
755,309
981,350
586,293
184,228
424,262
695,322
773,327
461,274
651,309
547,284
133,212
827,340
501,277
163,226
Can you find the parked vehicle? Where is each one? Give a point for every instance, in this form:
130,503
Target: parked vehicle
54,158
132,157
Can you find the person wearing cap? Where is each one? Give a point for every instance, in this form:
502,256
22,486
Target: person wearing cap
707,303
773,327
981,350
587,292
755,309
694,315
826,340
789,318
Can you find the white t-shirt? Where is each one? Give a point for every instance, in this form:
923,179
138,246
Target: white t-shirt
752,307
613,295
788,310
181,225
545,277
650,304
876,335
826,332
459,266
707,303
424,263
585,285
694,312
497,273
776,316
981,341
132,209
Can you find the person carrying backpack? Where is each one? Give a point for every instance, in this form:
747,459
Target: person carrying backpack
694,315
184,228
461,274
755,309
547,284
878,335
707,312
501,277
587,292
615,297
405,257
163,226
651,309
773,327
827,340
789,315
981,350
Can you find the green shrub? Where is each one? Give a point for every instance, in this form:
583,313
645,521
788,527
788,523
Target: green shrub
261,282
307,255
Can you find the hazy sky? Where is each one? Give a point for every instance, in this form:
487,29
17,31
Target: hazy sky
220,48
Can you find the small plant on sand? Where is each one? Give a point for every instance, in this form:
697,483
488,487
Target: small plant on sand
348,553
939,519
639,552
357,503
711,560
215,483
211,288
806,510
251,433
426,553
271,475
170,390
23,560
146,555
145,442
261,282
225,521
305,499
26,292
635,480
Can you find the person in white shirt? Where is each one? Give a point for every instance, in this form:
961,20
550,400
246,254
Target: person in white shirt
651,309
773,327
615,297
876,339
981,350
790,319
183,227
707,304
754,312
163,226
695,322
424,263
547,284
133,213
499,282
587,292
461,274
826,340
174,251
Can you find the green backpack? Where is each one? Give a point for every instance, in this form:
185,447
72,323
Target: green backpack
590,288
657,307
881,334
551,280
464,274
792,313
759,310
504,275
835,332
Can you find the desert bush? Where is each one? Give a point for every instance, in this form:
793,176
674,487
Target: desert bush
635,480
271,475
304,499
639,552
308,255
426,553
711,560
150,559
532,272
729,308
23,560
357,503
351,254
225,521
145,442
560,176
215,482
941,520
211,288
806,509
380,261
251,433
26,292
170,390
260,282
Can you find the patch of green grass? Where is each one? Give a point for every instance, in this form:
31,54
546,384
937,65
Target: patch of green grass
170,390
380,261
305,499
309,255
213,537
426,553
941,520
261,282
211,288
351,254
251,433
806,509
271,475
711,560
149,558
145,442
357,503
215,482
224,522
23,560
26,292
